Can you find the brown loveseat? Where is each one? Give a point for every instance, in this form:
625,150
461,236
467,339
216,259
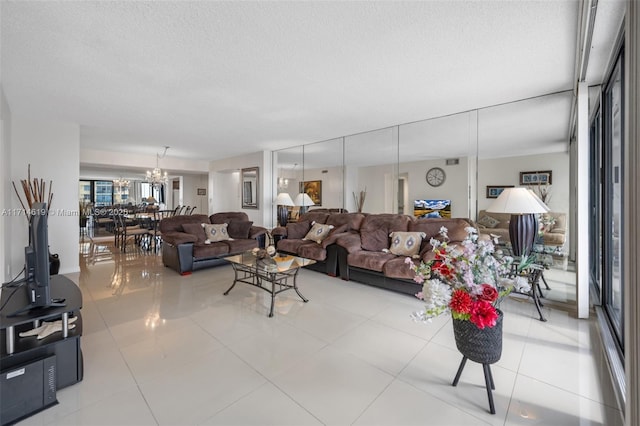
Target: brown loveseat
368,257
185,246
291,239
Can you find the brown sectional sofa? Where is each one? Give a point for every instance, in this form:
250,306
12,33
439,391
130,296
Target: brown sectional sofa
364,256
291,239
184,248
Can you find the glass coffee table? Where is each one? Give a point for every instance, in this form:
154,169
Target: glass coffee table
272,274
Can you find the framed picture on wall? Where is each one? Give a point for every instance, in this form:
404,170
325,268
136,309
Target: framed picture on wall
495,191
536,178
202,191
313,188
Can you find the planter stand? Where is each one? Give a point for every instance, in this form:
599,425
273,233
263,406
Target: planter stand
488,378
483,346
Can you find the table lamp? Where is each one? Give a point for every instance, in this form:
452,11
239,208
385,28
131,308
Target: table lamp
303,201
523,205
283,200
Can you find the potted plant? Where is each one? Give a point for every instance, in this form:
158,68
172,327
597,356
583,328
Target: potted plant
468,280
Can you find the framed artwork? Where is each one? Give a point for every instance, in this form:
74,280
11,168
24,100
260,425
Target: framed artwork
495,191
202,191
535,178
314,189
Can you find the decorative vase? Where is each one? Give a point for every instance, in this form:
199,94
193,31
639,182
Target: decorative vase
482,345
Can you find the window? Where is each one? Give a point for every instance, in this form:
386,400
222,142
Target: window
607,202
103,190
612,196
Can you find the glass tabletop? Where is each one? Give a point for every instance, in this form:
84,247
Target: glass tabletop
281,262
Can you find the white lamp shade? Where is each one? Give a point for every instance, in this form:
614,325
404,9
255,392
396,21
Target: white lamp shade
517,201
303,199
544,206
284,199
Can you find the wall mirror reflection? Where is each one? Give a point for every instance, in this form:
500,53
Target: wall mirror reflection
250,179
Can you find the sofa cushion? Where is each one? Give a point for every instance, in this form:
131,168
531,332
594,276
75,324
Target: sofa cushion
313,216
397,268
292,246
352,220
488,221
375,229
239,228
312,251
297,230
226,217
208,251
456,229
406,243
241,245
371,260
318,232
195,229
174,223
215,232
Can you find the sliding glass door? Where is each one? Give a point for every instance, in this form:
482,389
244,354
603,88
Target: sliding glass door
607,201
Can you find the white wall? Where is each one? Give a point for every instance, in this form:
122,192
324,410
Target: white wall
53,150
142,162
454,188
332,194
224,189
506,171
190,197
5,178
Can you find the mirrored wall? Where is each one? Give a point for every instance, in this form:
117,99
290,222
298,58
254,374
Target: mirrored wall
461,159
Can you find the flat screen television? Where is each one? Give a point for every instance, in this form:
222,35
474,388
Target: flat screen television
36,256
36,261
432,208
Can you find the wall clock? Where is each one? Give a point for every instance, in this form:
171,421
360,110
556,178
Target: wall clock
435,176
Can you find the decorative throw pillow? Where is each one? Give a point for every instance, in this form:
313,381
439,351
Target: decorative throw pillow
215,233
488,221
406,243
318,232
239,228
195,229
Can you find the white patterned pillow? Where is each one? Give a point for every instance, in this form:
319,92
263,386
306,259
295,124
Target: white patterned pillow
488,221
215,233
318,232
406,243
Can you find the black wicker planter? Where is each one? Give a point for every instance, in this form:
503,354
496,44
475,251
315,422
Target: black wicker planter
483,346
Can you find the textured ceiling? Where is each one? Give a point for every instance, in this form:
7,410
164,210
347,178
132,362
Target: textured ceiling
219,79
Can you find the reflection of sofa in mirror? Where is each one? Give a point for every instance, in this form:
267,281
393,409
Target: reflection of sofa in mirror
185,247
553,228
294,238
376,254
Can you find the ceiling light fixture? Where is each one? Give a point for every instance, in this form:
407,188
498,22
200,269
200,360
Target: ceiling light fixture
156,177
121,183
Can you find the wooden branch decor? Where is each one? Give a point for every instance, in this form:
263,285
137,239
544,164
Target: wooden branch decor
34,192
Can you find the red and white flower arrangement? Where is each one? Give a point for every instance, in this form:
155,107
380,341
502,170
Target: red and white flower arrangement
467,279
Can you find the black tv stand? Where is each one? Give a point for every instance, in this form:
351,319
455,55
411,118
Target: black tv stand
18,351
32,309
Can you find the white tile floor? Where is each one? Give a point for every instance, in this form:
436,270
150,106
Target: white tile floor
164,349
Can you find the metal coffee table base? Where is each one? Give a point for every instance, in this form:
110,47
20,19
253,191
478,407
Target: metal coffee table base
279,281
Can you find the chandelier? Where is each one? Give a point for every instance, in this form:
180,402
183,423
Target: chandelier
156,177
121,183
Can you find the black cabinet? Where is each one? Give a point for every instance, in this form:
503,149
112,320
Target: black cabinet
18,351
